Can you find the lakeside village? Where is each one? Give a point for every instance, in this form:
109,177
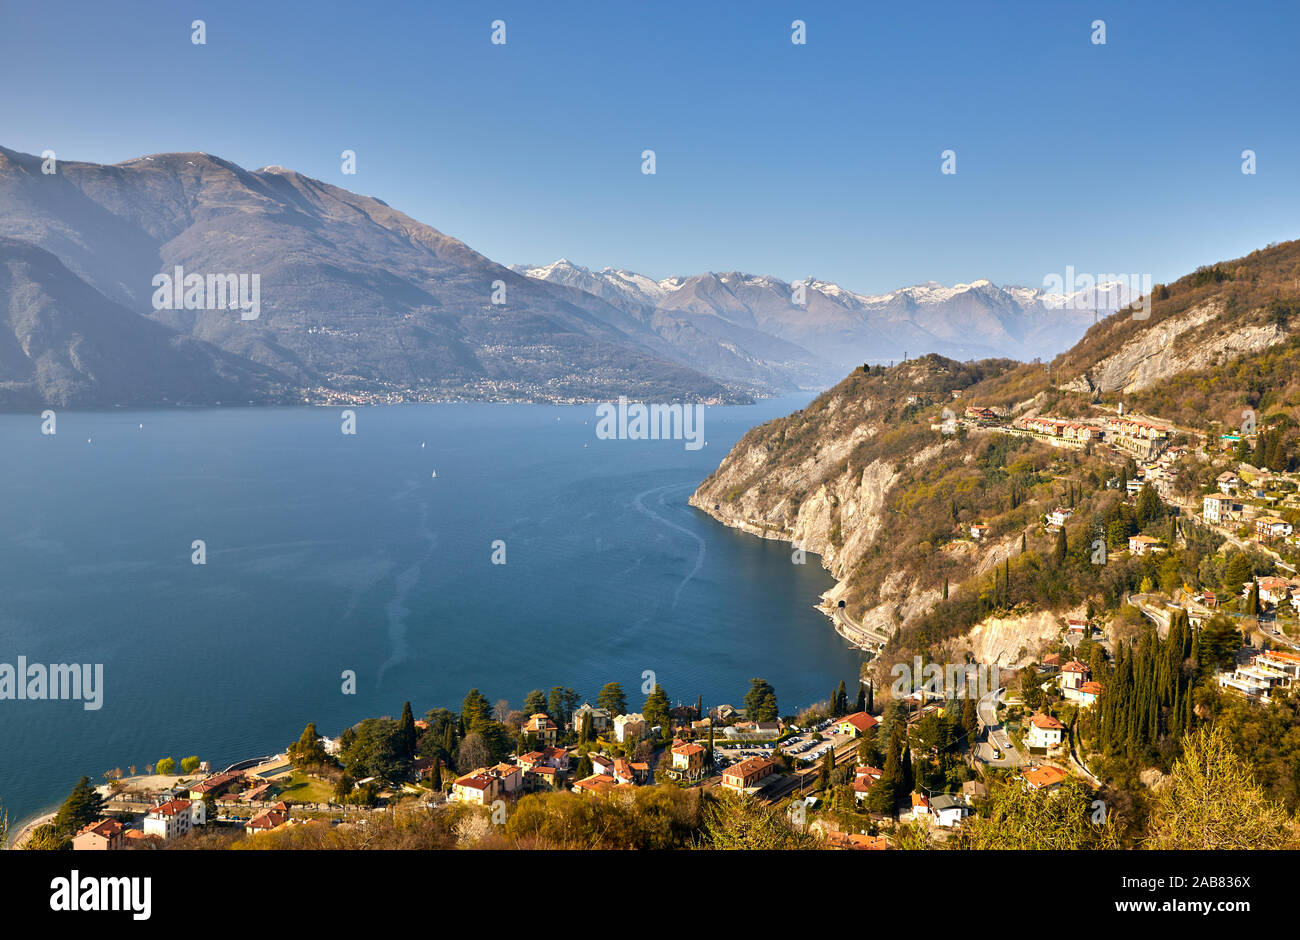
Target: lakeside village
598,751
940,756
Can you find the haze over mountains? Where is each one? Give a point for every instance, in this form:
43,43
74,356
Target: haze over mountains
844,329
360,302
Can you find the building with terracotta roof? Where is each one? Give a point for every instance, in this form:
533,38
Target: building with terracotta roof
623,772
856,724
542,728
748,774
100,836
688,760
1044,778
859,841
1074,674
1086,694
266,821
174,818
864,778
600,784
216,784
1144,545
1269,528
479,788
1045,732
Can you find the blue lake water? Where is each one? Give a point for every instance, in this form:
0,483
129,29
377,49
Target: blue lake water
328,552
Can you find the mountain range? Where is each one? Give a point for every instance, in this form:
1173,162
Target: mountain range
841,328
359,302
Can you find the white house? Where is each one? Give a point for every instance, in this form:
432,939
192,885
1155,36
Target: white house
1058,516
948,810
1074,674
1045,732
1272,527
1221,509
1228,482
174,818
1144,544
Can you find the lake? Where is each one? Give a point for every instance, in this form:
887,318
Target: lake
371,552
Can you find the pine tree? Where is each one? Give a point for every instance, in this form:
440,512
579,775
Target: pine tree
82,807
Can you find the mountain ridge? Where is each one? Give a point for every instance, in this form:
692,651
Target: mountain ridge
856,476
847,327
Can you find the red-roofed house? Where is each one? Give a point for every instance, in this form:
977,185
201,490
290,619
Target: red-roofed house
747,774
1045,732
542,728
1044,778
174,818
856,724
100,836
266,821
1074,674
864,778
688,760
1086,694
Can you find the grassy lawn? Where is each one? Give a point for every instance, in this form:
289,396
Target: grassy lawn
300,788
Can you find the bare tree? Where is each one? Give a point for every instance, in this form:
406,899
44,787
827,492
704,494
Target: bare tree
501,710
473,753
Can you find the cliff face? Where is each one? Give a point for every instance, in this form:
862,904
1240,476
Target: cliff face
1194,340
866,478
820,478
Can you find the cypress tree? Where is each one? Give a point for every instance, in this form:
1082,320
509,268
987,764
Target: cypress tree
406,732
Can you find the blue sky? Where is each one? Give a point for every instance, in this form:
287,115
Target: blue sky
821,159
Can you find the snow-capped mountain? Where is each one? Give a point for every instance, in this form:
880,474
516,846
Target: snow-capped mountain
845,328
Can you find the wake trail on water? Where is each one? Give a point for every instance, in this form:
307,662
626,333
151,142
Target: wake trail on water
399,649
639,503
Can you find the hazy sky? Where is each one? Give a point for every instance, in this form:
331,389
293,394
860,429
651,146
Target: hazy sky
794,160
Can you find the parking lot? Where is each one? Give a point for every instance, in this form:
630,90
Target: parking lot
801,745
